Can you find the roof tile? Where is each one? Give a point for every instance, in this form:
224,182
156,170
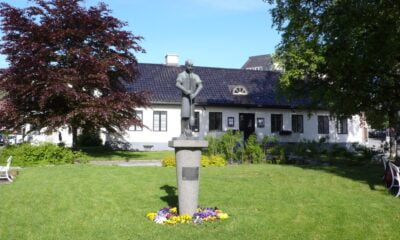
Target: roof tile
160,81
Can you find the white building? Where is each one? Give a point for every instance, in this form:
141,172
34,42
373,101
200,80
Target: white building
232,99
214,120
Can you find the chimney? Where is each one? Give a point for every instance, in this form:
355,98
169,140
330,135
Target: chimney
172,59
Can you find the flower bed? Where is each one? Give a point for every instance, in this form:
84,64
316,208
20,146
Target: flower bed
170,216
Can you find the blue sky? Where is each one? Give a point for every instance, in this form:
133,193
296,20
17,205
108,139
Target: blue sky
216,33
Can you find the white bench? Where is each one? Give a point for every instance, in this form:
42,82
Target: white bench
5,170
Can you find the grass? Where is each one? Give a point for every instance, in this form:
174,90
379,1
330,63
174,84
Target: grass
264,202
99,153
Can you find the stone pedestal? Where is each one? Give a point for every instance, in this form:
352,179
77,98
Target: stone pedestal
188,156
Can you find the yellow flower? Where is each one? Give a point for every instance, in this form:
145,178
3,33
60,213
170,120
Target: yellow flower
170,221
223,216
186,217
151,215
173,210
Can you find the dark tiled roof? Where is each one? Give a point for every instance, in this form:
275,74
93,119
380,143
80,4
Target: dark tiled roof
264,61
160,80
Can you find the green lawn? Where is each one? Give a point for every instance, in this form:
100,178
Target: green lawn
99,153
264,202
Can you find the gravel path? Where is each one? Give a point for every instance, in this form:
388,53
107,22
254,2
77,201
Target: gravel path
133,163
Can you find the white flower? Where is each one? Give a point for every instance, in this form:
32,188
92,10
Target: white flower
160,219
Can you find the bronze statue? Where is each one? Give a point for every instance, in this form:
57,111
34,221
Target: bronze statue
190,84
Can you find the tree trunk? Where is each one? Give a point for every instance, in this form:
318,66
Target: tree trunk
23,134
393,135
74,137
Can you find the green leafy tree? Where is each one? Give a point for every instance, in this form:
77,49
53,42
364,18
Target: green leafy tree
342,55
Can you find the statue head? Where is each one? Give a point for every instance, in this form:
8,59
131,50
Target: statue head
189,66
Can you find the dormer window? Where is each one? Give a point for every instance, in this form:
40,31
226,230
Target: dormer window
239,91
258,68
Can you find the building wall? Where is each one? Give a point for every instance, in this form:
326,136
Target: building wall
159,140
62,135
148,139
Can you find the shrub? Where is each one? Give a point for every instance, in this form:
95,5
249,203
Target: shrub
253,152
239,154
169,161
217,160
25,155
313,152
338,154
230,144
206,161
362,155
89,138
269,140
214,160
214,146
276,154
282,156
310,150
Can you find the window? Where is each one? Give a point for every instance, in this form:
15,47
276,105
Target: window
139,116
196,126
260,122
257,68
240,90
276,123
215,121
341,126
160,121
231,122
297,123
323,125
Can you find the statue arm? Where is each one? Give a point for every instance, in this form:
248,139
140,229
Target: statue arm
179,85
198,89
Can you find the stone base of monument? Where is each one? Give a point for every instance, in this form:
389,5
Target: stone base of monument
188,156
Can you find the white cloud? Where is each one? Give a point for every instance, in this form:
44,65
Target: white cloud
238,5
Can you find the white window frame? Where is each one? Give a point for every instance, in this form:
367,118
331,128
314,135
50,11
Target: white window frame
160,124
137,128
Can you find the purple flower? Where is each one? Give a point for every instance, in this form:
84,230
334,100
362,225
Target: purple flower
203,214
163,211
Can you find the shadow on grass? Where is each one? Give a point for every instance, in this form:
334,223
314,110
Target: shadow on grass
369,174
106,154
172,198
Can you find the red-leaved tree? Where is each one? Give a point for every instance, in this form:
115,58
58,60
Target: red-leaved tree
66,63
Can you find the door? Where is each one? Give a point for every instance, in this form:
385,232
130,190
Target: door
247,124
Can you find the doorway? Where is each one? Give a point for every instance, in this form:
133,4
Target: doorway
247,124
